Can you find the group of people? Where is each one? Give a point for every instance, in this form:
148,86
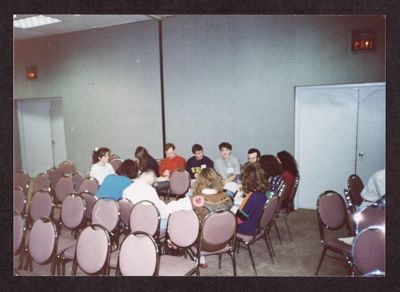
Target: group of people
257,179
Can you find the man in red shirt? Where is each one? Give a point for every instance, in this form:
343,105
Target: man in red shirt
172,162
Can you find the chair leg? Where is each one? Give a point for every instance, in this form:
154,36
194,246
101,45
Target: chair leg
252,260
233,262
269,250
219,261
272,247
53,267
287,226
74,267
277,232
320,261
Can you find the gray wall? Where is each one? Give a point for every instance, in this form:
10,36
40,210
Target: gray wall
227,78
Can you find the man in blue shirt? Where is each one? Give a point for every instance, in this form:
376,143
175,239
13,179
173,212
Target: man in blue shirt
197,162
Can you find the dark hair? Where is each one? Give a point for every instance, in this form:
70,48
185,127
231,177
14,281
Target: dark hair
253,178
169,145
254,150
142,155
225,145
99,153
128,168
288,162
270,165
196,147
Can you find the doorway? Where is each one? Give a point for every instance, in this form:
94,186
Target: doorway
340,130
41,132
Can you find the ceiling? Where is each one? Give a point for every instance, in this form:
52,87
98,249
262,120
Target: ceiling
77,22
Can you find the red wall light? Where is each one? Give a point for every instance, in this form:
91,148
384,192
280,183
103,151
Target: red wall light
362,40
31,72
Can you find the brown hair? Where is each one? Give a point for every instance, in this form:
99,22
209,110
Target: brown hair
99,153
253,178
128,168
169,145
207,178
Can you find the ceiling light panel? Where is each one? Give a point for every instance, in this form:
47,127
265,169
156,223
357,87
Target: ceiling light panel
35,21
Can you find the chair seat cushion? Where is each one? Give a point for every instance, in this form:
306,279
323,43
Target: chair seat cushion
176,266
338,246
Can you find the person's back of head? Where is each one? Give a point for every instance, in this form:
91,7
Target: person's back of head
148,176
270,165
207,178
288,162
253,178
128,168
141,153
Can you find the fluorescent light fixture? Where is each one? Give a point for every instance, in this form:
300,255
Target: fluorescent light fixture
34,21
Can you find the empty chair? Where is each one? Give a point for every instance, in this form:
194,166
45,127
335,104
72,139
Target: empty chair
78,179
218,236
19,200
264,226
54,175
183,231
106,213
65,186
353,193
92,251
125,208
116,163
42,245
19,236
332,215
369,250
179,183
21,179
41,205
138,255
146,218
372,214
89,184
66,167
40,182
90,201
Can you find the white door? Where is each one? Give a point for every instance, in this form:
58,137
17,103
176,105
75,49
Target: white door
325,145
57,131
371,130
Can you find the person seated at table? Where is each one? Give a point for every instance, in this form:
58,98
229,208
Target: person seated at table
227,166
208,196
253,155
114,184
197,162
273,171
172,161
255,187
142,189
145,160
374,190
289,174
101,168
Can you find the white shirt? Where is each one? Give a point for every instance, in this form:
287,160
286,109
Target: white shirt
100,172
375,187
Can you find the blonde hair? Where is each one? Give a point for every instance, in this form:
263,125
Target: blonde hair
207,178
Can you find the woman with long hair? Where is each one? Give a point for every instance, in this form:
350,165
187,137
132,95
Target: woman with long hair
273,172
289,174
145,161
101,168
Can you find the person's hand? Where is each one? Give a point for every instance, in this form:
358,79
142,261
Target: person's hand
166,173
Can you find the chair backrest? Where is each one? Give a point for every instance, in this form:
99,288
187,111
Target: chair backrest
372,214
280,194
183,228
19,200
138,255
290,204
90,201
270,208
54,175
72,211
106,213
145,217
89,184
65,186
219,227
78,179
116,163
180,182
355,186
21,179
92,251
42,240
369,250
66,167
41,181
19,231
125,208
113,156
41,205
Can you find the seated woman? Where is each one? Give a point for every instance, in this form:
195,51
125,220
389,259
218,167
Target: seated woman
273,172
208,196
289,174
114,184
101,168
146,161
255,186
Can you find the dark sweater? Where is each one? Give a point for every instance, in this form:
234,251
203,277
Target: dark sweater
250,213
193,165
151,164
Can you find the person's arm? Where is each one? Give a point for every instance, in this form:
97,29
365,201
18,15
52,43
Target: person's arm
163,168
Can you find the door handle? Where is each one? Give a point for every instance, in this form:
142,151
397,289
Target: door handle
360,154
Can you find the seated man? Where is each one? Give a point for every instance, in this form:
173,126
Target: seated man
197,162
142,189
374,189
253,155
172,162
227,166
